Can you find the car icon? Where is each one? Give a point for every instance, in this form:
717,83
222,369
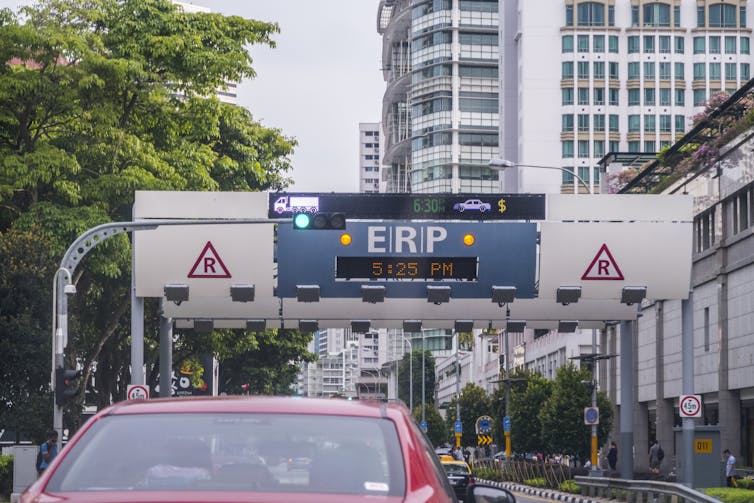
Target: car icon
472,204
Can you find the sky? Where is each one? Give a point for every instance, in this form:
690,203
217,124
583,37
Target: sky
323,79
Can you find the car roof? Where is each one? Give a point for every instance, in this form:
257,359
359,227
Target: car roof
255,404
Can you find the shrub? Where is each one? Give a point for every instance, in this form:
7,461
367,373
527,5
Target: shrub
6,475
745,483
570,486
730,494
538,482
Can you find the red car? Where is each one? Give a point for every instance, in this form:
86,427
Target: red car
237,449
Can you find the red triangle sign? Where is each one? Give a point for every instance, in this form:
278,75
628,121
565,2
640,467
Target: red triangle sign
209,264
603,267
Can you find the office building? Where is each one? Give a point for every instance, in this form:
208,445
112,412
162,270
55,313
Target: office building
370,148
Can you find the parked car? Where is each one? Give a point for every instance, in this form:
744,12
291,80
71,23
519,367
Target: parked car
473,205
235,449
459,475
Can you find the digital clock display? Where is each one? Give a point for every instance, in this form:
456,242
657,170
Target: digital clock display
406,268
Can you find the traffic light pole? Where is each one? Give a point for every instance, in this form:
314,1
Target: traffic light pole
63,285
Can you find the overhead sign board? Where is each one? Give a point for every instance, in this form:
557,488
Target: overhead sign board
411,206
603,257
407,257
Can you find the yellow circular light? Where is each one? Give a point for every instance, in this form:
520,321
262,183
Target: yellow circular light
468,239
345,239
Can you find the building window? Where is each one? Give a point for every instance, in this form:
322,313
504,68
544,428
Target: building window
634,122
567,121
742,16
704,230
649,124
664,43
591,14
722,16
649,70
664,71
599,148
714,71
584,173
567,147
677,16
634,15
679,45
567,93
567,69
614,146
666,123
714,45
649,146
613,96
680,98
583,148
665,97
730,45
706,329
566,178
649,96
656,14
743,210
598,42
633,44
611,15
699,45
745,74
634,97
599,122
744,45
567,43
633,71
612,43
583,41
613,123
583,95
700,97
700,16
583,123
569,15
633,146
599,69
649,43
699,71
583,69
612,68
680,123
680,71
730,71
599,96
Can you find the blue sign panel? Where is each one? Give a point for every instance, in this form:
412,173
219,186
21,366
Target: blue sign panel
506,423
406,257
424,426
458,427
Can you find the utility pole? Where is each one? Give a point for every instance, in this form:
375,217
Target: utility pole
424,422
507,431
458,424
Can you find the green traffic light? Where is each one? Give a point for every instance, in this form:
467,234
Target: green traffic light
302,221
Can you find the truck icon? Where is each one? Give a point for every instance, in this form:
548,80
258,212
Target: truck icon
296,204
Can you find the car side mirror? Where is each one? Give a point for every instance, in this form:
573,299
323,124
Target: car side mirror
485,493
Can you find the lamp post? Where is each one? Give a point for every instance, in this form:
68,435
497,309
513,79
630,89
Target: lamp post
410,374
502,164
424,378
458,390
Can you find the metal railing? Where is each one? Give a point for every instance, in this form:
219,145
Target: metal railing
640,491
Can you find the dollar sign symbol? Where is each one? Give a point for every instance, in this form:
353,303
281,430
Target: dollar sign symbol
501,205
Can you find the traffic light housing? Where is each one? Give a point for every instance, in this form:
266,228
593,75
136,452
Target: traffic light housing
319,221
65,385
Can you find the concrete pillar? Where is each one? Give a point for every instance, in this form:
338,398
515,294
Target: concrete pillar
729,403
664,413
626,440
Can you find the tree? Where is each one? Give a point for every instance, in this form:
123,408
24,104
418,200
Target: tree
404,374
474,403
98,99
526,402
562,415
437,430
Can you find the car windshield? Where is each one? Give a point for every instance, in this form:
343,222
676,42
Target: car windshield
235,452
455,469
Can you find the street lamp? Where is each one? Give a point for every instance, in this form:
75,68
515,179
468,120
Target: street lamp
410,374
502,164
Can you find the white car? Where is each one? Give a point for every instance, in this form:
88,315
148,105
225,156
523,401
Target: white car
472,204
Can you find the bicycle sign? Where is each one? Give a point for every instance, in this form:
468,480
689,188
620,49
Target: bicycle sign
690,405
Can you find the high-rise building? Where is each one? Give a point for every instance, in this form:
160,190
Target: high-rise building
370,148
580,79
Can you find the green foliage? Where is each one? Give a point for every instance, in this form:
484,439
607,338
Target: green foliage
527,400
6,475
437,430
409,366
100,99
474,403
486,472
569,486
536,482
730,494
745,483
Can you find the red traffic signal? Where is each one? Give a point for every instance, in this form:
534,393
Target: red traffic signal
65,385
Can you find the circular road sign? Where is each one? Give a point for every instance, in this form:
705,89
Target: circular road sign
591,415
690,405
137,392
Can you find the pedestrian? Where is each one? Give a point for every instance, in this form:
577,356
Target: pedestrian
612,456
654,457
47,451
458,454
730,468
